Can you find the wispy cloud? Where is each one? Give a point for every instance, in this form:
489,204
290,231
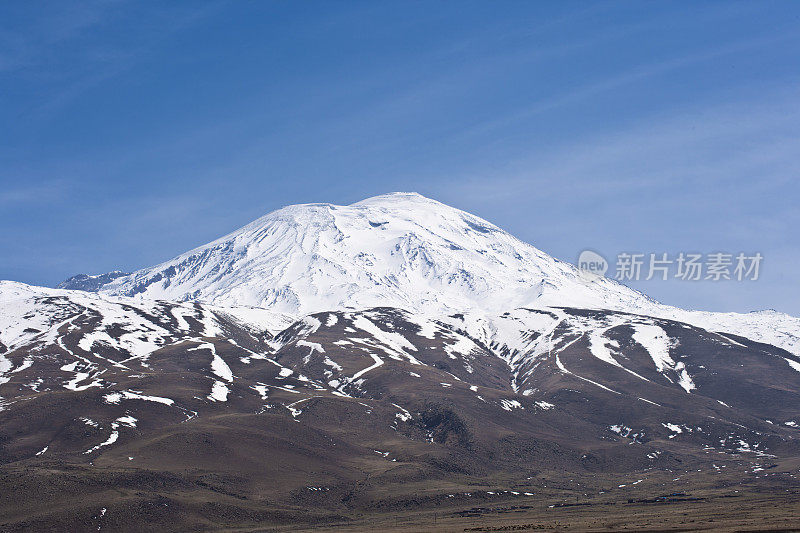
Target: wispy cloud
37,48
32,41
41,193
623,79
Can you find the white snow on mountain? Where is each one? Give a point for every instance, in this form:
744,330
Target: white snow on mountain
41,315
396,250
400,250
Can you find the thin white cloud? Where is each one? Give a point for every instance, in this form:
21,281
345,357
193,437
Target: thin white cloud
27,45
43,193
696,146
620,80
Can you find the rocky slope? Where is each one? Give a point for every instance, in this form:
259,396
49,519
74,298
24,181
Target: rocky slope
329,363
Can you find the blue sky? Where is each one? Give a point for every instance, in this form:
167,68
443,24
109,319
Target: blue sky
133,131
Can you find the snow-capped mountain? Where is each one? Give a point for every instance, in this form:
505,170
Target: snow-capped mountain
401,250
406,251
338,358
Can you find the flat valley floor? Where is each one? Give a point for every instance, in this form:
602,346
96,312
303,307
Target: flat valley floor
731,499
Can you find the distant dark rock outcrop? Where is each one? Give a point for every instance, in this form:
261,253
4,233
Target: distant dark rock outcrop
85,282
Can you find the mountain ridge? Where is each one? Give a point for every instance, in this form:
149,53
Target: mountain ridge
407,251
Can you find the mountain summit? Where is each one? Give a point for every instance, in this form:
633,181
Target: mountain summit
405,251
400,249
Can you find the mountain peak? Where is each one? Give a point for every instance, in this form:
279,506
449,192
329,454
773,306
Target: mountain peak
399,249
398,196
